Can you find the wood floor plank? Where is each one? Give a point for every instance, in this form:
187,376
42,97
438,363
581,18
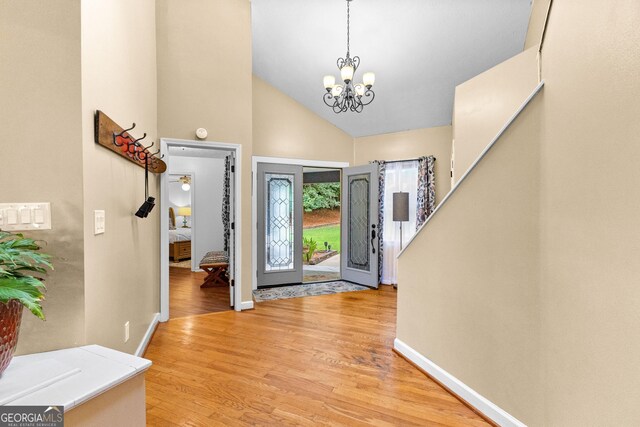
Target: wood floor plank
324,360
186,298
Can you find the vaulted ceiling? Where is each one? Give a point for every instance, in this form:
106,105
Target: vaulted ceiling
419,49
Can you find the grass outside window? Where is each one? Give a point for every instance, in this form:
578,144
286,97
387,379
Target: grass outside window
329,233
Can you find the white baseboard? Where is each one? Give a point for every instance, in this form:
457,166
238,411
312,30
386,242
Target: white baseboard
482,404
246,305
147,336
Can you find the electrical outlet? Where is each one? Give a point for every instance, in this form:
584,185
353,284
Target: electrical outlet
126,332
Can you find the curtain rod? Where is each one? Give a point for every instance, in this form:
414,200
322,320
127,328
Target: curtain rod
406,160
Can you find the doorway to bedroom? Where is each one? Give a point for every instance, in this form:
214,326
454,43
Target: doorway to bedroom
198,205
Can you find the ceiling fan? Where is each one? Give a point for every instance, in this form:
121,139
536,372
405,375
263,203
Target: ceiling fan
186,182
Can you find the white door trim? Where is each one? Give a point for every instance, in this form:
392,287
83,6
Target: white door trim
254,204
165,143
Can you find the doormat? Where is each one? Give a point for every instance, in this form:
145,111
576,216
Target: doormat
307,290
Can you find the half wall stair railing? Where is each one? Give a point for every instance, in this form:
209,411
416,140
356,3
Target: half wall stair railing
484,152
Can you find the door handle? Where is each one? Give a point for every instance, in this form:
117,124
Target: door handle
373,237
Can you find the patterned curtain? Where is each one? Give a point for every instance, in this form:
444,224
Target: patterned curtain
226,203
382,166
426,190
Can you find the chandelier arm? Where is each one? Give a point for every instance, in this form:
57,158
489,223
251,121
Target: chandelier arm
356,63
357,104
369,95
340,105
328,96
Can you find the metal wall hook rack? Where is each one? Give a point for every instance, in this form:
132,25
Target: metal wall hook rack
122,136
113,137
143,153
136,141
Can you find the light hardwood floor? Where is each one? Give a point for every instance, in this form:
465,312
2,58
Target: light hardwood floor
186,298
324,360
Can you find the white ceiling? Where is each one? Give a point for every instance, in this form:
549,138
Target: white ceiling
419,49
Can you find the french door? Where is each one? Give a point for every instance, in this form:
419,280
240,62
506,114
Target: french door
279,224
359,246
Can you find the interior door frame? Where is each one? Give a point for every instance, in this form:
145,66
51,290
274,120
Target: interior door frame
254,201
165,143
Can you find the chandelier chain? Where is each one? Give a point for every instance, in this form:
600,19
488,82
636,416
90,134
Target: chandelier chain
348,16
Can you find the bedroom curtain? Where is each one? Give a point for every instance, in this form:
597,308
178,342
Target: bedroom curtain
426,189
399,176
381,179
226,203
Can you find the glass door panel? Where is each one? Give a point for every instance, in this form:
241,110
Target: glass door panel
279,224
358,242
279,219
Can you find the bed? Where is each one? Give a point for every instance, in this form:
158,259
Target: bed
179,240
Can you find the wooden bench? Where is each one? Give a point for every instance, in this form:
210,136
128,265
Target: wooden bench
216,264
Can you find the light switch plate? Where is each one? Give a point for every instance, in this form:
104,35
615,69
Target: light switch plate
100,222
25,216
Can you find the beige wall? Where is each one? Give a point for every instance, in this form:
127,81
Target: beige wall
408,145
284,128
537,310
119,78
590,209
41,158
468,283
537,19
484,103
205,80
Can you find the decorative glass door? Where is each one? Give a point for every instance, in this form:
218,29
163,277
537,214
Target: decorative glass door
279,224
359,254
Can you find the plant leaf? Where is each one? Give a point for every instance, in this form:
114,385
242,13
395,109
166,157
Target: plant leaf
27,290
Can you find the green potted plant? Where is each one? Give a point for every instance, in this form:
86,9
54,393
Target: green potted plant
310,245
20,259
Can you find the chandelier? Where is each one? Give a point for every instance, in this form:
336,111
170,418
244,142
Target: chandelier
350,96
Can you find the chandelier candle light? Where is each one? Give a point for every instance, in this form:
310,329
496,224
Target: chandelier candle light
350,96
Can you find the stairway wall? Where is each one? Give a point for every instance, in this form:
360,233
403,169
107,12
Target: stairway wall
468,295
484,103
534,302
590,213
